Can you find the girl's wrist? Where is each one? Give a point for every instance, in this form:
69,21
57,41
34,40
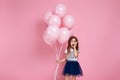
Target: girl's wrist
74,48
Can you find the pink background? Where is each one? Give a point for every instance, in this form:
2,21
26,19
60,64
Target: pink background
25,56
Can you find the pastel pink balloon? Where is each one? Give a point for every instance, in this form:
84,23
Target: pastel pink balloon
54,20
64,35
47,16
46,39
53,32
68,21
60,10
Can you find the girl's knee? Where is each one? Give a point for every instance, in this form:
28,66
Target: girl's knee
73,77
67,77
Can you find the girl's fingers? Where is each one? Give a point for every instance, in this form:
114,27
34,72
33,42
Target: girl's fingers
57,61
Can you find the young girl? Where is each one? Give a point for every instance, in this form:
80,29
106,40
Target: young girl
72,67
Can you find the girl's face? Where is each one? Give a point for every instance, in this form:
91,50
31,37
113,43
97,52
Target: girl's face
73,42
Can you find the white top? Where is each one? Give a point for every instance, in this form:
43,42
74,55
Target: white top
71,56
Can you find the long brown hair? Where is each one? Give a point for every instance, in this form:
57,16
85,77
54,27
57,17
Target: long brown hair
69,43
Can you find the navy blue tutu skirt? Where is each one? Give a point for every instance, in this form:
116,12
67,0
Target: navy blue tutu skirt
72,68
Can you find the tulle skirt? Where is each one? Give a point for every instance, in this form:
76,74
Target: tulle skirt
72,68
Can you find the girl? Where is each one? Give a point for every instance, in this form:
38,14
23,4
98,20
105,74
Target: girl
72,67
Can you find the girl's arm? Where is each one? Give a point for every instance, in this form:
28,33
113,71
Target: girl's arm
75,52
60,61
64,59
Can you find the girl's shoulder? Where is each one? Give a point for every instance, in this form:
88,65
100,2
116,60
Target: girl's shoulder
66,50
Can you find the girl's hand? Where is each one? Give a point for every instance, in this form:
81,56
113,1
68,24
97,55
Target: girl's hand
75,45
58,61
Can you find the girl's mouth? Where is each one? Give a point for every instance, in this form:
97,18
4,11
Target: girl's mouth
72,44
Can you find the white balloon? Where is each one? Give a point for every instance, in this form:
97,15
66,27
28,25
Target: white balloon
53,32
68,21
64,35
46,39
60,10
54,20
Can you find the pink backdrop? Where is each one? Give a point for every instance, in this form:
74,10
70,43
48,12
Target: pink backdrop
25,56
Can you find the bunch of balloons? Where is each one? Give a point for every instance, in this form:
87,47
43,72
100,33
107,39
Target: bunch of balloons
59,28
59,25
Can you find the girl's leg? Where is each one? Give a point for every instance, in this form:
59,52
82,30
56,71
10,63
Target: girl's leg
73,77
67,77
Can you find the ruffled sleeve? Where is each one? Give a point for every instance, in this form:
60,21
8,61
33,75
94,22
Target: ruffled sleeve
66,51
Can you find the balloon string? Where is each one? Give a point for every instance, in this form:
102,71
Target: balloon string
56,50
56,71
52,48
60,50
57,57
